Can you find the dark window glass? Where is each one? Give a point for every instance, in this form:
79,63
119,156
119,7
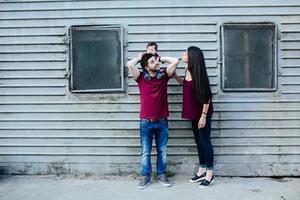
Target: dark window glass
97,60
249,57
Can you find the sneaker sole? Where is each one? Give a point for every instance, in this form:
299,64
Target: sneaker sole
201,186
196,181
143,187
164,184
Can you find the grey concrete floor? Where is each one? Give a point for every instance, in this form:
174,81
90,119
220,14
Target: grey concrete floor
123,188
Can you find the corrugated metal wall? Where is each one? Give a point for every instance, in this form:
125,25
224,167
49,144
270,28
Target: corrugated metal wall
46,129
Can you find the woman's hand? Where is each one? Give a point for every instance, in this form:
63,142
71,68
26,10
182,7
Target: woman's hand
202,121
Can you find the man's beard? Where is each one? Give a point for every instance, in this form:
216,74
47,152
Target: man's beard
155,70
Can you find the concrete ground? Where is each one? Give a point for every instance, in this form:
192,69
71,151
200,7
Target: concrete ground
124,188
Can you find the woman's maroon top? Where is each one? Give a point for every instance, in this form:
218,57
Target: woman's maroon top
192,109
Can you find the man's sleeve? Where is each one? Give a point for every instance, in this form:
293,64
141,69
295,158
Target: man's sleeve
140,77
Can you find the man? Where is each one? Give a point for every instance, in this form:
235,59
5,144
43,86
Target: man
153,112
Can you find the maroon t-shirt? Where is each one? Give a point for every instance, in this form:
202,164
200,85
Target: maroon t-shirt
153,97
192,109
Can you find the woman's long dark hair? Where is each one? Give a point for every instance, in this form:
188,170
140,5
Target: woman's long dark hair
196,65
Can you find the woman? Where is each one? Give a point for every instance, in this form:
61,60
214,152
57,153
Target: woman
197,107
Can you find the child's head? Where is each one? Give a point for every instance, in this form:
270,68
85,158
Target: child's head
152,48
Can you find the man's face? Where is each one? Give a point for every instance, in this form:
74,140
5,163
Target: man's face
153,64
151,49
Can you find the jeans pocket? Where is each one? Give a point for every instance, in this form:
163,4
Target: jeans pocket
143,123
165,123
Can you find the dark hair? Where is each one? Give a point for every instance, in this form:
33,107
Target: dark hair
152,44
196,65
145,58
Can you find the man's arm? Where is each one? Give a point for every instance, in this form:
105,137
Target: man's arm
132,67
173,64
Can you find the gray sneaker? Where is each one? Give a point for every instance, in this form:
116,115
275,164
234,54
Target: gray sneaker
162,179
145,181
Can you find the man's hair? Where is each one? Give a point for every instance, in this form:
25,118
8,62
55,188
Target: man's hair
152,44
145,58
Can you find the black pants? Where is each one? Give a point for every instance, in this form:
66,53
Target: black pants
204,146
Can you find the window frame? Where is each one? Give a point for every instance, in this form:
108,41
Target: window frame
275,57
118,27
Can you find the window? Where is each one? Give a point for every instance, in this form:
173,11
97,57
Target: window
249,57
96,59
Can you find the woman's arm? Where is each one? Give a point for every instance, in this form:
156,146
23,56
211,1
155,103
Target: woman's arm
178,79
202,120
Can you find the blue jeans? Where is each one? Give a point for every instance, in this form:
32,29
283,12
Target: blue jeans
203,142
160,130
